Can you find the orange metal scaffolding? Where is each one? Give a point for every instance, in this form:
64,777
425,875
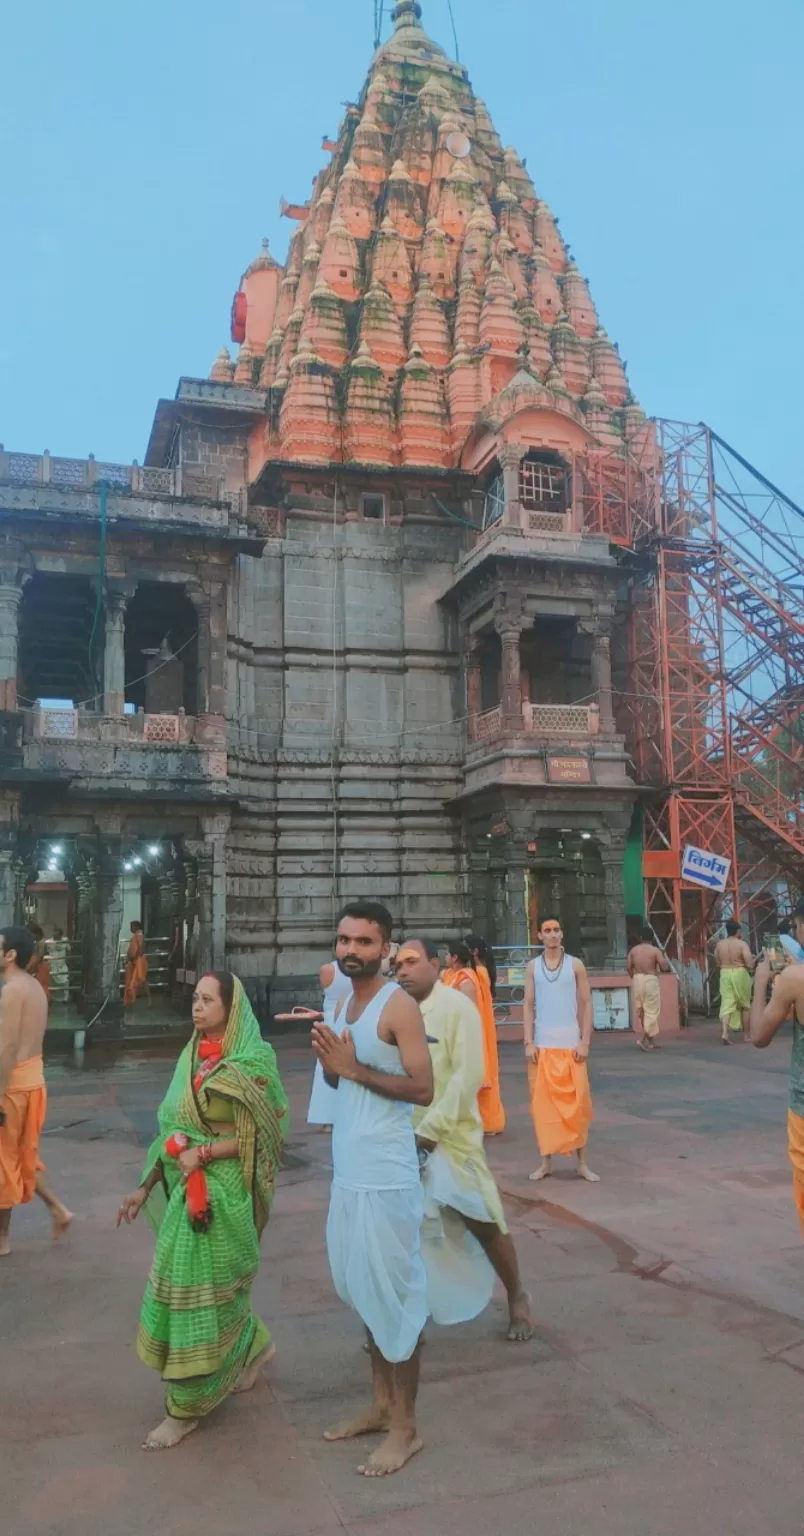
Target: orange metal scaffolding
711,695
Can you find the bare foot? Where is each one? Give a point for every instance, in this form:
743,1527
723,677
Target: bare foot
724,1040
521,1327
252,1372
373,1422
541,1173
585,1172
5,1248
397,1448
62,1221
169,1434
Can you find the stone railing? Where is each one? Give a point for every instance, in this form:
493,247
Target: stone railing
80,725
485,727
83,474
545,720
42,469
562,719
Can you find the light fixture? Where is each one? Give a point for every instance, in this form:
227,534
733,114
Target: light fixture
128,865
587,837
154,850
57,848
136,861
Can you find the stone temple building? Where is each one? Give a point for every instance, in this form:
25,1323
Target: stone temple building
351,627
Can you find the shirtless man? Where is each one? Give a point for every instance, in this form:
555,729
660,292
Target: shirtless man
645,963
380,1065
23,1097
736,962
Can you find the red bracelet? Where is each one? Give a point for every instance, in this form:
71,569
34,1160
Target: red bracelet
205,1155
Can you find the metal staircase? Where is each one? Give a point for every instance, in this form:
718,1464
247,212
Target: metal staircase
728,592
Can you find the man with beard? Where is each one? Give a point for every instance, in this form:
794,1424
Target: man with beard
380,1064
466,1241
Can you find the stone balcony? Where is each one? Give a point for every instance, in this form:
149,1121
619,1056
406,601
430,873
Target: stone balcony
561,745
549,722
173,498
126,754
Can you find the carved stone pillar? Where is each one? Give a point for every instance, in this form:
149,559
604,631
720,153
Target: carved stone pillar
9,813
211,615
616,932
209,854
114,656
601,677
510,457
10,594
103,988
474,699
201,603
217,649
517,925
509,629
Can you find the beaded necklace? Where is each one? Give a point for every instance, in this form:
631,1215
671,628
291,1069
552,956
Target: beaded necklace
552,973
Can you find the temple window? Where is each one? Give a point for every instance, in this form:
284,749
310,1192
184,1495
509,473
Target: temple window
494,499
373,508
60,642
161,650
544,483
557,662
490,661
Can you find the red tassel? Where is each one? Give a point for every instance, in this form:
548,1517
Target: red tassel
196,1192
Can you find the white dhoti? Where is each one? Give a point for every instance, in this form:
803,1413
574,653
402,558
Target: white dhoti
323,1100
374,1247
460,1278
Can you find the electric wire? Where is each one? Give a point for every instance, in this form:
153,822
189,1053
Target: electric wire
454,31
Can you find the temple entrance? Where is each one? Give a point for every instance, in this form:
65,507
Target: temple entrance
61,892
566,880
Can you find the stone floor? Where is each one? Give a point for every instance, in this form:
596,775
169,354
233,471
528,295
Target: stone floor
662,1395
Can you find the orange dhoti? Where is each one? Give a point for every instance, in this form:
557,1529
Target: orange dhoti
25,1105
489,1101
795,1143
560,1101
136,977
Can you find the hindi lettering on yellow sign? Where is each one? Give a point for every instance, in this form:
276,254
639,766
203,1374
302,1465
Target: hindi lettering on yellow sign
569,770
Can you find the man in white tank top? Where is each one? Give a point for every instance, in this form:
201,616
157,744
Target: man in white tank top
380,1065
558,1021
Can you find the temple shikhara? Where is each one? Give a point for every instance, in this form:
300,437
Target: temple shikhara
408,599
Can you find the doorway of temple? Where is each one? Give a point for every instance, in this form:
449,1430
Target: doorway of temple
565,879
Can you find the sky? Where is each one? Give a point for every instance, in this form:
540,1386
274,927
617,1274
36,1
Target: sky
146,147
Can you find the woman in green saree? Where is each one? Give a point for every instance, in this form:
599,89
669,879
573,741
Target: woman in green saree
209,1184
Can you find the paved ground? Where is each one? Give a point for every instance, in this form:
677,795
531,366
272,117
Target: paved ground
662,1395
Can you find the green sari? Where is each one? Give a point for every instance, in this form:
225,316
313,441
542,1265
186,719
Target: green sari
196,1325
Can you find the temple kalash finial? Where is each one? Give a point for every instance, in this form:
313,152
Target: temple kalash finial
407,13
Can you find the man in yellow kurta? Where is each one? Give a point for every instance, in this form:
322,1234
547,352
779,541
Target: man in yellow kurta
465,1240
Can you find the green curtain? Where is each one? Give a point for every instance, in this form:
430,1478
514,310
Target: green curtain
633,882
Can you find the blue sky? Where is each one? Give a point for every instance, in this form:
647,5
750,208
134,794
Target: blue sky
147,147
